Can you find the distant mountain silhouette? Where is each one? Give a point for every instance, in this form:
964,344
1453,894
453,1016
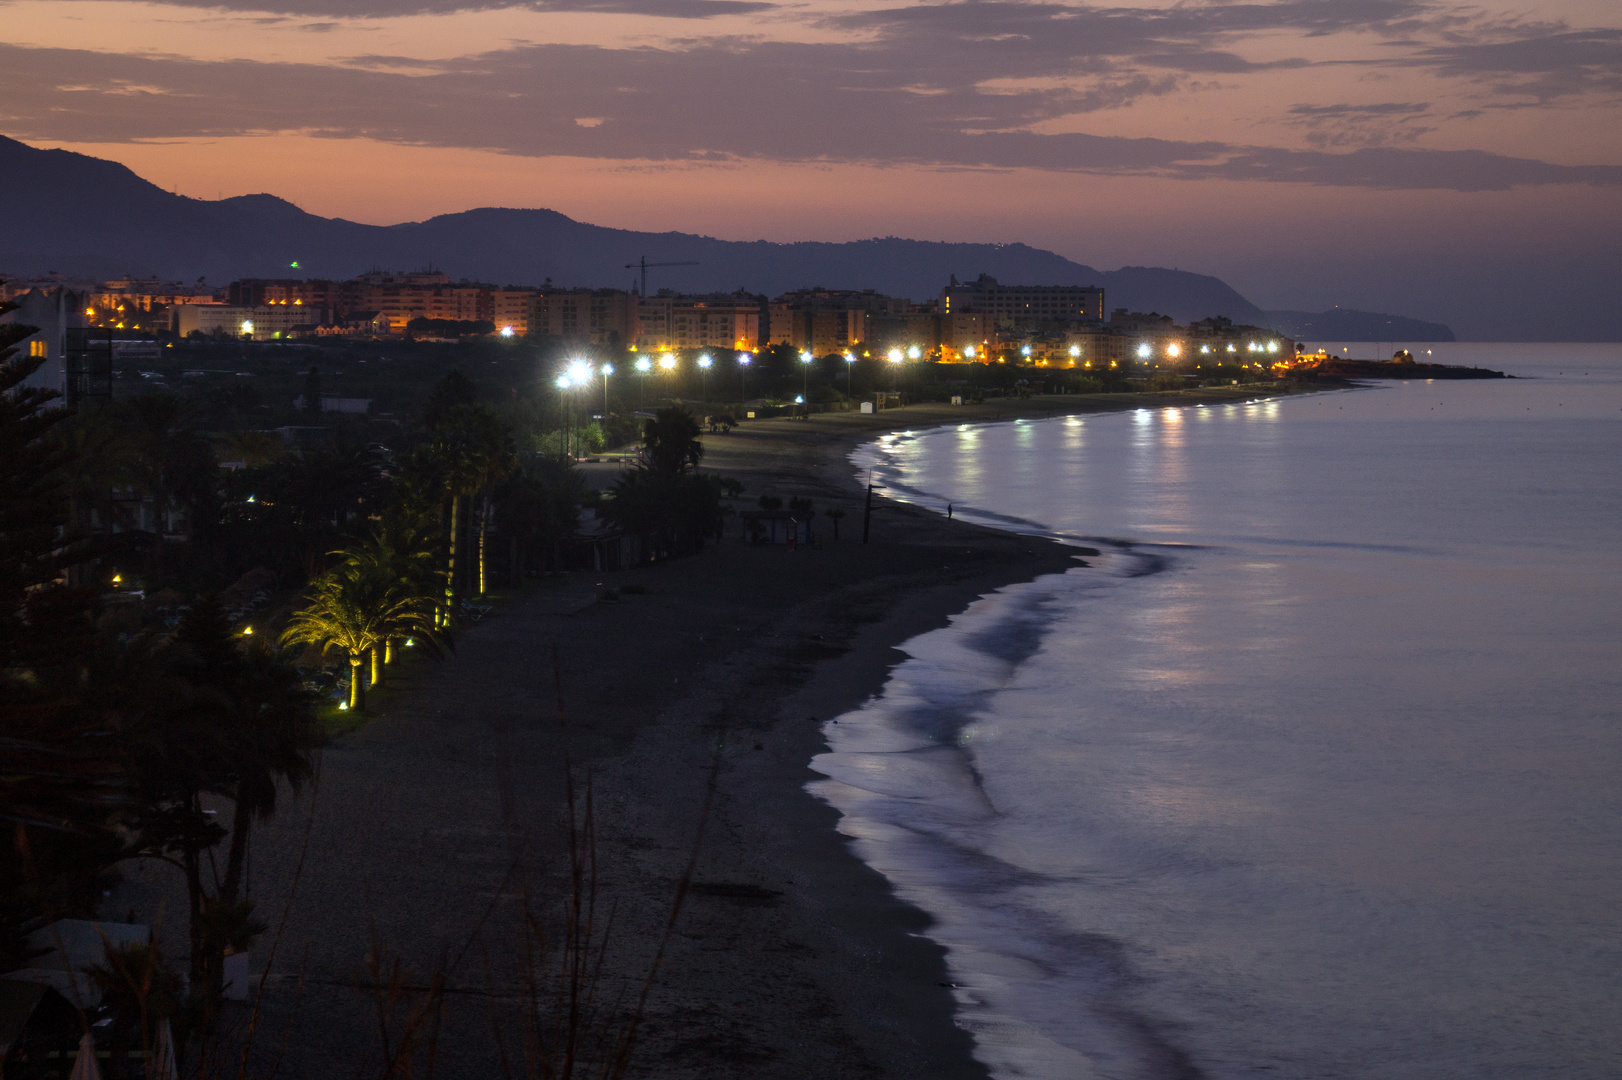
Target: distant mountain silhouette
86,217
1346,324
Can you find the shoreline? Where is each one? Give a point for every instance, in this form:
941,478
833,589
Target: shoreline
792,957
870,950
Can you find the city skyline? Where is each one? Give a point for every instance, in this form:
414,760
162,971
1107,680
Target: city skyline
1421,158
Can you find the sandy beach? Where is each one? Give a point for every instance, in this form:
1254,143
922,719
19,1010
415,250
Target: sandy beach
438,816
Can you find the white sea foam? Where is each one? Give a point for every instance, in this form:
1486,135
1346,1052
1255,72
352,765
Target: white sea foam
1319,778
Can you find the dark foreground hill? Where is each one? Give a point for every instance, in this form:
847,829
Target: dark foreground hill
1346,324
87,217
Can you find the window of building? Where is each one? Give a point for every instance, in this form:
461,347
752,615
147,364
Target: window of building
37,347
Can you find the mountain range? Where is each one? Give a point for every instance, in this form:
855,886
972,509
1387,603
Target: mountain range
88,217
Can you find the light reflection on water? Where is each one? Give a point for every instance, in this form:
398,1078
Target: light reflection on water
1332,793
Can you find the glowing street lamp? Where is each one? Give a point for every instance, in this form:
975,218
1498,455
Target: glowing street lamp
1075,352
805,372
895,356
247,327
1144,351
1025,351
506,331
743,375
704,363
968,351
914,353
850,374
643,366
607,370
1174,350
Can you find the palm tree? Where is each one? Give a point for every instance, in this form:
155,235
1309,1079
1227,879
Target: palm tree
473,450
671,443
355,609
402,547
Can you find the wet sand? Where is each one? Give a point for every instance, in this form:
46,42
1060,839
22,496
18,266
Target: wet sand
791,958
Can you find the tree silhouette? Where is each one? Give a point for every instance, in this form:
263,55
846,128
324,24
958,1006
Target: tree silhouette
670,442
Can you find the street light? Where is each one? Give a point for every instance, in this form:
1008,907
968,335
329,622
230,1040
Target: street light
805,370
743,375
850,374
914,353
643,366
607,369
968,351
563,382
704,363
667,364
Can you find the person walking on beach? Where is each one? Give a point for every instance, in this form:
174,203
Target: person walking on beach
948,511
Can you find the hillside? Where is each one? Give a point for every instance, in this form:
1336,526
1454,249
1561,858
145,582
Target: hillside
1346,324
87,217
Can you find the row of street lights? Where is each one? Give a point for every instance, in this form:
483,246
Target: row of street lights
580,373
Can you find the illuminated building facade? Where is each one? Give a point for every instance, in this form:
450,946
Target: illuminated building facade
712,321
593,316
264,322
1022,304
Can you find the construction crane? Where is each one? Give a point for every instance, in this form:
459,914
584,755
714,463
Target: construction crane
644,264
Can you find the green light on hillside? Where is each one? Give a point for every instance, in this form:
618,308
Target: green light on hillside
293,264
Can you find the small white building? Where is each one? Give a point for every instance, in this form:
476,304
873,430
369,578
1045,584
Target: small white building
53,310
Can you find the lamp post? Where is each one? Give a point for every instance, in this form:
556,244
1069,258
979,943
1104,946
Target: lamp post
704,363
850,375
562,383
667,364
743,377
643,366
896,356
805,370
607,369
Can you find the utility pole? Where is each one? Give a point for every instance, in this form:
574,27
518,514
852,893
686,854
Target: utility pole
867,509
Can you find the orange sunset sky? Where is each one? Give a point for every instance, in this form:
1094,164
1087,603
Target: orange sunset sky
1425,158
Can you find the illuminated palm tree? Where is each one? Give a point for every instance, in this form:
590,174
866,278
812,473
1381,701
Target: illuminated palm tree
472,450
355,609
402,547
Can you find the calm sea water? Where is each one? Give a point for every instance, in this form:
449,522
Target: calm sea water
1316,772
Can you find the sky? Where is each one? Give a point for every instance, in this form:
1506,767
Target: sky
1457,162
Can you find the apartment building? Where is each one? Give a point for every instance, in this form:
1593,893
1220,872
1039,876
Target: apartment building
1023,304
262,322
510,309
594,316
712,321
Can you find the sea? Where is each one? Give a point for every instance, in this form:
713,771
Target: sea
1313,770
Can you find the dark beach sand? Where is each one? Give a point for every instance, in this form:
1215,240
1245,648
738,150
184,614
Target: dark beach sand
791,957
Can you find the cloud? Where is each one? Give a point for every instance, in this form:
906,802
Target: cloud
1339,126
1544,67
386,9
733,101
